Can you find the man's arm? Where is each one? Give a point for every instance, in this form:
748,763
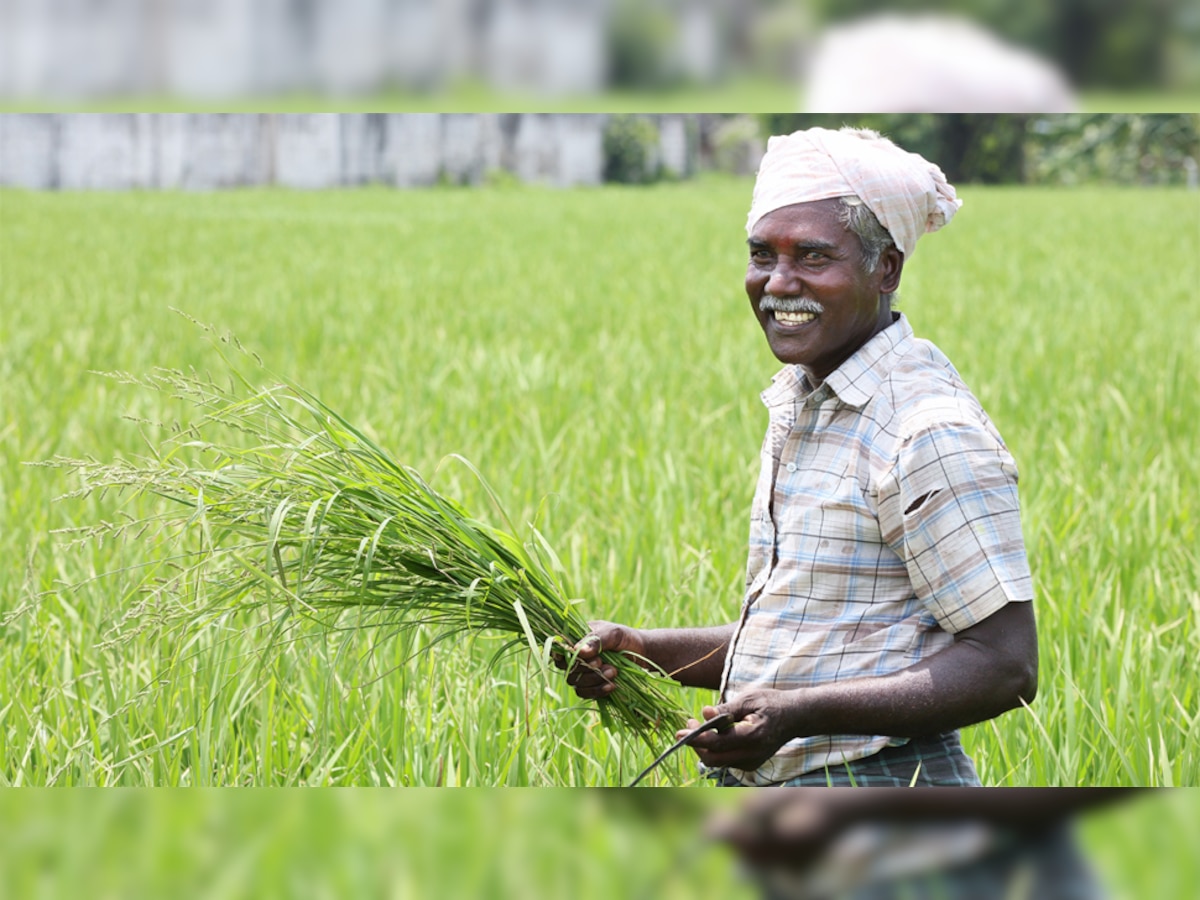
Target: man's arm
695,657
991,667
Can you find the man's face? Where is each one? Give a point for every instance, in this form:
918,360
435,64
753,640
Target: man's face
808,289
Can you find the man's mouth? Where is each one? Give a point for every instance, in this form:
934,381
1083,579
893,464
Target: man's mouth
794,318
791,312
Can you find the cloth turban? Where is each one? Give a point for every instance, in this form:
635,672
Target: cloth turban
908,194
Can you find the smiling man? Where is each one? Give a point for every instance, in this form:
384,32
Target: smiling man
887,591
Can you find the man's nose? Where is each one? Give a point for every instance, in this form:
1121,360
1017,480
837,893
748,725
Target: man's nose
785,278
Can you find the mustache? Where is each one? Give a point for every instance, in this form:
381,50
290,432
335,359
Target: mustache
770,302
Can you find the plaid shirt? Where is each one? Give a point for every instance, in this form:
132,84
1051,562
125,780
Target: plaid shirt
885,520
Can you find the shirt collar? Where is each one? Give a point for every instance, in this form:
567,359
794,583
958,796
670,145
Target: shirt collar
854,381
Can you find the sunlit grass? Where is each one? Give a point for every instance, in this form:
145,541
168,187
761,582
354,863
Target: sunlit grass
487,844
591,352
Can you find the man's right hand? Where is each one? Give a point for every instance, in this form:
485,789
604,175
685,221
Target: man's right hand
593,678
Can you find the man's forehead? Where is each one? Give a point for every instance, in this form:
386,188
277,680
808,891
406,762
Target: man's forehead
821,218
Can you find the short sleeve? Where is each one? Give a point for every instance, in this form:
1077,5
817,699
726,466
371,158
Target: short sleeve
949,509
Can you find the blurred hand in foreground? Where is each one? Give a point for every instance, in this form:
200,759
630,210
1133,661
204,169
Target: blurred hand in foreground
789,826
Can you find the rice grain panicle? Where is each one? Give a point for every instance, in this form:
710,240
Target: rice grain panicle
294,505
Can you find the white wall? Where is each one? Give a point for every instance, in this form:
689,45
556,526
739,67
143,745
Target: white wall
205,151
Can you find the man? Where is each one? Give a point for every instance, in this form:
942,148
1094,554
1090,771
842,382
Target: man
887,590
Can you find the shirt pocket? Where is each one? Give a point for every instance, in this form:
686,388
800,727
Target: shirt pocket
823,506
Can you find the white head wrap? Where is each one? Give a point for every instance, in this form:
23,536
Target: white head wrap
908,194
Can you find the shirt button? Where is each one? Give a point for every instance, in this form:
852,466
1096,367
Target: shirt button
791,467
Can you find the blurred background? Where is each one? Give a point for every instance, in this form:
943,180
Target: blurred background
476,843
204,151
766,55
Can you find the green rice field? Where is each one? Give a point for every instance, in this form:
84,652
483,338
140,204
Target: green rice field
592,352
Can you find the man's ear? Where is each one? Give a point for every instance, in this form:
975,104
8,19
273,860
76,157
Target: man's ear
891,263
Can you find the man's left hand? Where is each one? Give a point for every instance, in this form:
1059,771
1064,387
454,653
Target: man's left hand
762,724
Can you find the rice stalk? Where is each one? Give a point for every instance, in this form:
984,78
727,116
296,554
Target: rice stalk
298,513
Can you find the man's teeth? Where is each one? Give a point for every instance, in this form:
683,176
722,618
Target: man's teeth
796,318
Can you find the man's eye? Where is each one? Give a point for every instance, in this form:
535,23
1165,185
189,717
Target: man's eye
813,256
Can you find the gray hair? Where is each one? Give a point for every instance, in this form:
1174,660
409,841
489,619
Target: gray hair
857,216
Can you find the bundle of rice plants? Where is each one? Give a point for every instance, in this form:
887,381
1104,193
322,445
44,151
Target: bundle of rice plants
297,512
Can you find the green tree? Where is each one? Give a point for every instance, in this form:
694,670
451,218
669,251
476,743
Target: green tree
1121,148
1116,148
982,148
631,150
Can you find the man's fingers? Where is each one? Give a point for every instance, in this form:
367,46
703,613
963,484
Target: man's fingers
589,647
723,747
592,680
739,746
591,676
583,669
598,693
607,636
714,740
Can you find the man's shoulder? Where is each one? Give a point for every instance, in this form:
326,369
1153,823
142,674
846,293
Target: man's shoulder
923,390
